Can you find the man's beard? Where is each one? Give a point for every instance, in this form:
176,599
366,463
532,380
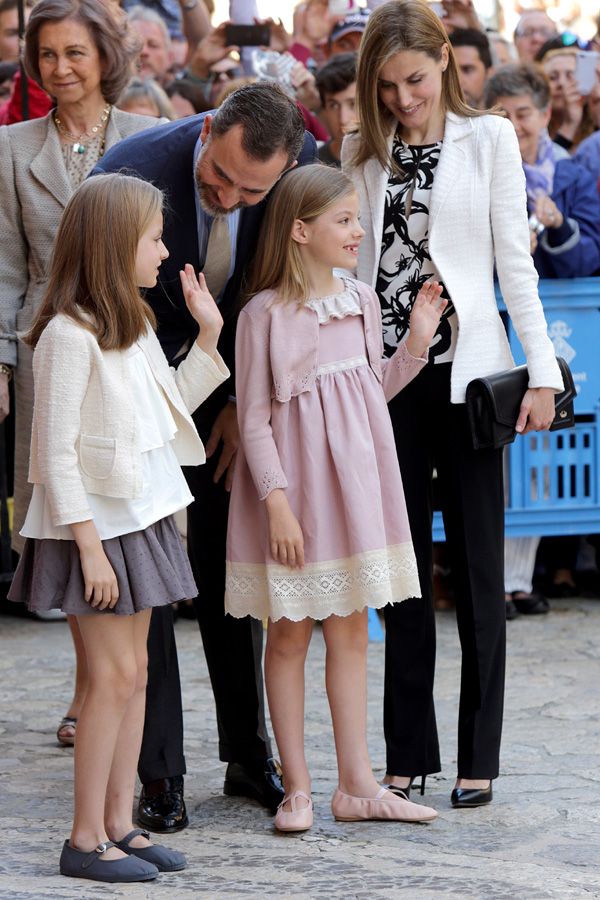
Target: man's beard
208,202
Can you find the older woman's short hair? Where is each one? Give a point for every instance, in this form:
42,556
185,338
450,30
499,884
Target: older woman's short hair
514,80
108,26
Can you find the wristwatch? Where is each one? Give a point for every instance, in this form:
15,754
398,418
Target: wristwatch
6,370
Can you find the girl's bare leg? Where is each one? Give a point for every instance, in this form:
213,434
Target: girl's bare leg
287,646
109,642
121,781
346,638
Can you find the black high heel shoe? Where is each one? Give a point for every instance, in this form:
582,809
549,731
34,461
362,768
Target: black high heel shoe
463,798
405,792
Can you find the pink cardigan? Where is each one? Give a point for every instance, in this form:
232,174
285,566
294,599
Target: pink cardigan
277,357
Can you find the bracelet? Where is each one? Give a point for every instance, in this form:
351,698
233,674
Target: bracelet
6,370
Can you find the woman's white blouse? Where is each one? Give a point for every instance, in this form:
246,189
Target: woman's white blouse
165,489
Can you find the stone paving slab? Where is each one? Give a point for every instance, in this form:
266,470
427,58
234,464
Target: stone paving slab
539,840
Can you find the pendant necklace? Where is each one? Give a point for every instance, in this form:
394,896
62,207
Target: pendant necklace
77,146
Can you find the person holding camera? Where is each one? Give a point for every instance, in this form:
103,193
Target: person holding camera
562,199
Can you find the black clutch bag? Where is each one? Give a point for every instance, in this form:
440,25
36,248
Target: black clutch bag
493,405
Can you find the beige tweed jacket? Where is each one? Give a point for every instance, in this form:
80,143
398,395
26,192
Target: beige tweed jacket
477,221
34,190
85,434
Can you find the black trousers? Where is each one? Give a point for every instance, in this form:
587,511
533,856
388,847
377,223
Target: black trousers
233,647
433,433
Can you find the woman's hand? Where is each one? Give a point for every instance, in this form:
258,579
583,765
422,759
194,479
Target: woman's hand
548,213
425,317
537,410
203,308
285,535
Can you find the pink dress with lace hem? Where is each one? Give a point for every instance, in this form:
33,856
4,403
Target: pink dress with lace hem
337,450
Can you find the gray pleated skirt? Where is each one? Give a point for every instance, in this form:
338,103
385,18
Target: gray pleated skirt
151,566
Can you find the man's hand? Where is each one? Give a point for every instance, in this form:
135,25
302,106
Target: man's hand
210,50
4,397
460,14
226,430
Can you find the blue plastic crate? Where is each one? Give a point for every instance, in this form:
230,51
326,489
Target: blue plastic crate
553,478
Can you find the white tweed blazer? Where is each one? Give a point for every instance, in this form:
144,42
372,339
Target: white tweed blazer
477,219
84,436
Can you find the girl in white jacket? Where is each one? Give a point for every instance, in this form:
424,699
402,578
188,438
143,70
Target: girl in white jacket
111,429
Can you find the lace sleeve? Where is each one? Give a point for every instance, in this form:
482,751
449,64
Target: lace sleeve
399,370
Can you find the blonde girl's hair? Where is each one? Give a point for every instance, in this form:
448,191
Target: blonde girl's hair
391,28
92,272
304,193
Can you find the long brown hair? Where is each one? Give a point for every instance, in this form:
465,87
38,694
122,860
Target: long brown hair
395,26
304,193
92,273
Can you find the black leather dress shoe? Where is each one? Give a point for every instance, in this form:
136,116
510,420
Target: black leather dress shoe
258,780
161,807
466,797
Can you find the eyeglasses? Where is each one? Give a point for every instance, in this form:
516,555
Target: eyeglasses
544,31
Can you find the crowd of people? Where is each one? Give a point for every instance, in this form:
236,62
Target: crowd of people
274,266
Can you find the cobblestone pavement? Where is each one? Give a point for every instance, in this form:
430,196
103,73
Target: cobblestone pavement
539,839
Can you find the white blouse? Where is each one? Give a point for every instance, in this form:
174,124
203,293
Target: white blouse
165,489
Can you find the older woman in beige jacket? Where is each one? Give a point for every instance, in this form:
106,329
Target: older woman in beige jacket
81,52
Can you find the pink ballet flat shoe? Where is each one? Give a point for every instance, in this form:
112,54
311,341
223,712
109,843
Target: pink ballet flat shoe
294,819
385,806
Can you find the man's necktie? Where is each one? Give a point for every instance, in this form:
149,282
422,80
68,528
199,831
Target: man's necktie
218,256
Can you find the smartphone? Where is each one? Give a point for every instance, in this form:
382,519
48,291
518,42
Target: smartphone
586,72
248,35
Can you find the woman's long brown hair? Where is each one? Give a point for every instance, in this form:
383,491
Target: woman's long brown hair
92,272
391,28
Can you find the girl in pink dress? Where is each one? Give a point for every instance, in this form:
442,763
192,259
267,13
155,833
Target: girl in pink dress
317,524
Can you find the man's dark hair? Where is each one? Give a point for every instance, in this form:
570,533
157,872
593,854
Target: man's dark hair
336,75
471,37
270,121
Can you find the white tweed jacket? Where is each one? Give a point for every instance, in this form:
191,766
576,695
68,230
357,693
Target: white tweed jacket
85,435
477,219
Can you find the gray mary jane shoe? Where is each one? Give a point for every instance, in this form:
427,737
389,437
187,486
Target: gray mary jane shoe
163,858
89,864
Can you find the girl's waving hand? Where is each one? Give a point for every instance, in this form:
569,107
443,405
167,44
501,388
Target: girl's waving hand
425,317
203,308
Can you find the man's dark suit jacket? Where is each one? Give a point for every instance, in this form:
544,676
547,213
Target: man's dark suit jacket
164,156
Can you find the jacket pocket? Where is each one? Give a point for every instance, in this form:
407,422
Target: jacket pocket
97,455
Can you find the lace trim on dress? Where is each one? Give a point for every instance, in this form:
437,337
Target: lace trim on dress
336,306
341,365
340,586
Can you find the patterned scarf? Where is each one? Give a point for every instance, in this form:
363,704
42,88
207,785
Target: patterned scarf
539,177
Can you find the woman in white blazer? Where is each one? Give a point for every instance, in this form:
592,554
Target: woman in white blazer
442,197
